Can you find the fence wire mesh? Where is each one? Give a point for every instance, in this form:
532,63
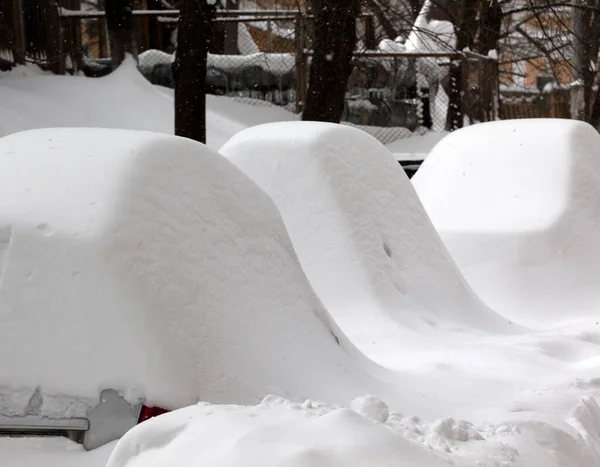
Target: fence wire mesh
265,55
248,57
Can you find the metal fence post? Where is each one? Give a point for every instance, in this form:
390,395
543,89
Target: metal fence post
269,34
300,62
496,91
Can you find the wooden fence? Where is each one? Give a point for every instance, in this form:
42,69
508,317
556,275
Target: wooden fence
50,33
8,35
522,104
30,32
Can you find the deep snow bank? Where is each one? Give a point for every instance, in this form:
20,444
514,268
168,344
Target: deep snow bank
150,264
361,234
50,451
123,100
276,433
279,433
516,203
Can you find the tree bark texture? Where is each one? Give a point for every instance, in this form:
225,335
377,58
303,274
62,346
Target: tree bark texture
119,22
465,27
189,69
591,37
334,42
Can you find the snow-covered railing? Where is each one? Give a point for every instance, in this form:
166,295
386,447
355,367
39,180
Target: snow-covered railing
275,63
221,16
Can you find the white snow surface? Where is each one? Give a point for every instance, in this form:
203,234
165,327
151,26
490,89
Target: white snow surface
276,433
124,100
245,42
277,63
50,452
280,433
532,396
417,147
516,204
345,202
151,265
361,234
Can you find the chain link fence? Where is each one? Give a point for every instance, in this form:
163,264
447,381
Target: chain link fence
266,55
392,86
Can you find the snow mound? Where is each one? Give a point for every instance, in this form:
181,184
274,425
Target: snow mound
280,433
516,203
358,227
276,433
371,407
151,265
124,100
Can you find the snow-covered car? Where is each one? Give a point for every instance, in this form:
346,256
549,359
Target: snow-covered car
515,203
141,272
91,426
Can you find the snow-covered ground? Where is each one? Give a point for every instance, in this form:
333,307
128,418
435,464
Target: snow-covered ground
124,99
415,148
31,99
242,295
50,452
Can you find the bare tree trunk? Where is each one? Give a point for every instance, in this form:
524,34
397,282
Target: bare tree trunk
490,25
593,97
189,70
594,119
387,23
231,30
592,48
335,38
119,21
578,62
465,27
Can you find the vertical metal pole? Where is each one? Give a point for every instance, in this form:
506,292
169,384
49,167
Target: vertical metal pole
496,91
299,37
62,59
269,34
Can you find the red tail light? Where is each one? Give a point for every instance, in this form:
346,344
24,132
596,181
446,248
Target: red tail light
150,412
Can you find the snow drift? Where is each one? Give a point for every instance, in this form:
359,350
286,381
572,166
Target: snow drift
516,203
50,451
151,265
280,433
276,433
123,100
361,234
